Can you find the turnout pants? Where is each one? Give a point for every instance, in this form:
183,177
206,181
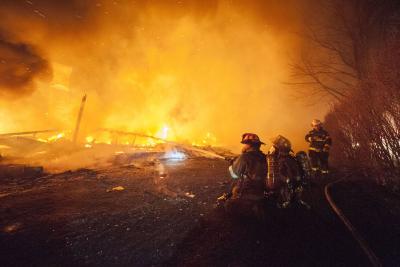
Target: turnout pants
319,161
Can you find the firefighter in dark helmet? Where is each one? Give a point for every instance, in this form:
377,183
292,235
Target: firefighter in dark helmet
285,173
318,151
249,172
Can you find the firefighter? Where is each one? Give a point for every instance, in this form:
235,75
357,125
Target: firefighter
249,172
318,151
285,173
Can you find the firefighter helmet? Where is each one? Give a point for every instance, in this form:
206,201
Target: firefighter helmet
250,138
281,143
316,122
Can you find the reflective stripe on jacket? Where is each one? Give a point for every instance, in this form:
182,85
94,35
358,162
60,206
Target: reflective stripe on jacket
318,139
251,169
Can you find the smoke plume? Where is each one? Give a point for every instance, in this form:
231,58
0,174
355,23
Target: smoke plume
20,66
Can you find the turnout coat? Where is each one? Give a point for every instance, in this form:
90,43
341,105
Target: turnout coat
249,171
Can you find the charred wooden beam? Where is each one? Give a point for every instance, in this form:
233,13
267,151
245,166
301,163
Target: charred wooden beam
134,134
28,133
78,121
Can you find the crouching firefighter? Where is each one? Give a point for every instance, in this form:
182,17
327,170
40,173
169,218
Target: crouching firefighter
248,172
286,175
318,151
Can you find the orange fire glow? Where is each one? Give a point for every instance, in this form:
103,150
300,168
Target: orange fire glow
200,79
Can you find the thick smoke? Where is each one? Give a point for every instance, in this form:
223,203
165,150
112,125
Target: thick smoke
20,66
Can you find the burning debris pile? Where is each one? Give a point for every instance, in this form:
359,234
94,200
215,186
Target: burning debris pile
56,152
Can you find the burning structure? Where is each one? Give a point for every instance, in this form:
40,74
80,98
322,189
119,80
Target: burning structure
161,69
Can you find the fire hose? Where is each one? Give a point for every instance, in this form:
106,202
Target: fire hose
356,235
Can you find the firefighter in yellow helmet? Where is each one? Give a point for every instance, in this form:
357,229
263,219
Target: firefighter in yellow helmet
318,151
248,172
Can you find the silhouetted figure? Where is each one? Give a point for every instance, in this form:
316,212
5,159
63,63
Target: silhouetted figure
248,172
318,151
285,174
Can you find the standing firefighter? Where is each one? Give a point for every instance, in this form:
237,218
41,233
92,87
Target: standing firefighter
248,171
318,151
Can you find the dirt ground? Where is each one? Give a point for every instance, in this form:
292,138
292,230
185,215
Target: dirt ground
75,218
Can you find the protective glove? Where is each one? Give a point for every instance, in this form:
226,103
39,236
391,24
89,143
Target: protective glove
223,197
